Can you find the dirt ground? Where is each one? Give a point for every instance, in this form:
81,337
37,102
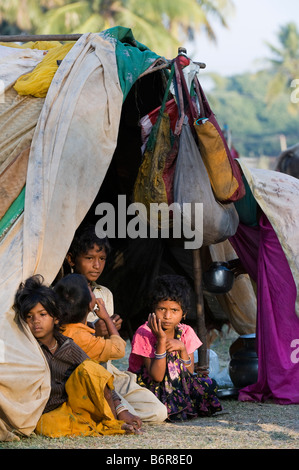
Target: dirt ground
240,425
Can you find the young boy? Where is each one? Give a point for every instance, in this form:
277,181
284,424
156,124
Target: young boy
80,401
87,256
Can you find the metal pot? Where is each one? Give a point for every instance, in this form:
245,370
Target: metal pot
218,279
243,367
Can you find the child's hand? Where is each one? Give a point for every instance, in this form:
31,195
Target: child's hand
101,312
155,326
174,345
101,327
132,420
117,321
109,328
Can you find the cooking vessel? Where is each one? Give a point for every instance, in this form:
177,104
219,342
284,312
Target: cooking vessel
218,279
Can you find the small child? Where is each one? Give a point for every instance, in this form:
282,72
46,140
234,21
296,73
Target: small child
72,293
80,401
162,354
87,256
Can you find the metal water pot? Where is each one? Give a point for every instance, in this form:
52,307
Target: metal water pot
218,279
243,367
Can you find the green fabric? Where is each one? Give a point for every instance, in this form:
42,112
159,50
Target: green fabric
132,57
12,213
247,206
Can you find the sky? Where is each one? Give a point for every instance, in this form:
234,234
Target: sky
241,47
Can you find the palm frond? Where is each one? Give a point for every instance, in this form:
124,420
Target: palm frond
65,19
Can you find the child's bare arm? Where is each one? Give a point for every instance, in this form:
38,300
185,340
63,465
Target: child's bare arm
156,367
103,315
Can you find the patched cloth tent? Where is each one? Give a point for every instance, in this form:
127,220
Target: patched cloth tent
56,154
85,99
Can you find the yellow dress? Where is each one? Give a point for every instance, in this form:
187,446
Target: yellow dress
86,412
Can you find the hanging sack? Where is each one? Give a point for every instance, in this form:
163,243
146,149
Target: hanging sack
212,222
154,182
224,172
147,121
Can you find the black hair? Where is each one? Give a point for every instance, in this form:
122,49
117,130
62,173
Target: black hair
74,297
84,239
171,287
33,291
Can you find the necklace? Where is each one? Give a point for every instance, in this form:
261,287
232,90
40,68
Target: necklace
51,349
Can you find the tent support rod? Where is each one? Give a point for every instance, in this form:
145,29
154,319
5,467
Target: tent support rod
73,37
203,365
40,37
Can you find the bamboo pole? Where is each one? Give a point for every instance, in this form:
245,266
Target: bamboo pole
203,363
71,37
40,37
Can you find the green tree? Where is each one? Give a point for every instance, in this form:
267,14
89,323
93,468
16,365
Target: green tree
284,63
21,15
162,25
240,103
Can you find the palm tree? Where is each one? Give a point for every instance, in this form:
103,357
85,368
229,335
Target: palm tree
162,25
285,61
21,15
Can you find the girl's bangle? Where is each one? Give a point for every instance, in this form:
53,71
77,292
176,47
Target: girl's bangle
160,356
186,362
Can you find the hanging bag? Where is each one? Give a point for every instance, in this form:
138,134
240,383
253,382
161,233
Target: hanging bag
154,182
224,172
212,222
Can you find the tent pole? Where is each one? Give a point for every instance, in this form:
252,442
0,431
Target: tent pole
40,37
74,37
203,365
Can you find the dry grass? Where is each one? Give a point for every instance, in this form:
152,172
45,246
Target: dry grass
238,426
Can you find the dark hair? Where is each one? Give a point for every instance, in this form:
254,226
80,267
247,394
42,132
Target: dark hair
74,297
84,239
32,292
171,287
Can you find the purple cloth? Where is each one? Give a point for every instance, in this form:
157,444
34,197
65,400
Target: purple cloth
277,323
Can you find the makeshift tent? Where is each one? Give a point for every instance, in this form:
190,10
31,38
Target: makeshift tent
81,145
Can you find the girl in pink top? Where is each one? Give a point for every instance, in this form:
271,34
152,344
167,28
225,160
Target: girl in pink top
162,354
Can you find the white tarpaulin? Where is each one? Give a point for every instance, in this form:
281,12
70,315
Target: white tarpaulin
71,150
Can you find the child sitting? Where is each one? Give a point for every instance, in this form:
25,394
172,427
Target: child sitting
163,354
80,401
87,256
71,292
